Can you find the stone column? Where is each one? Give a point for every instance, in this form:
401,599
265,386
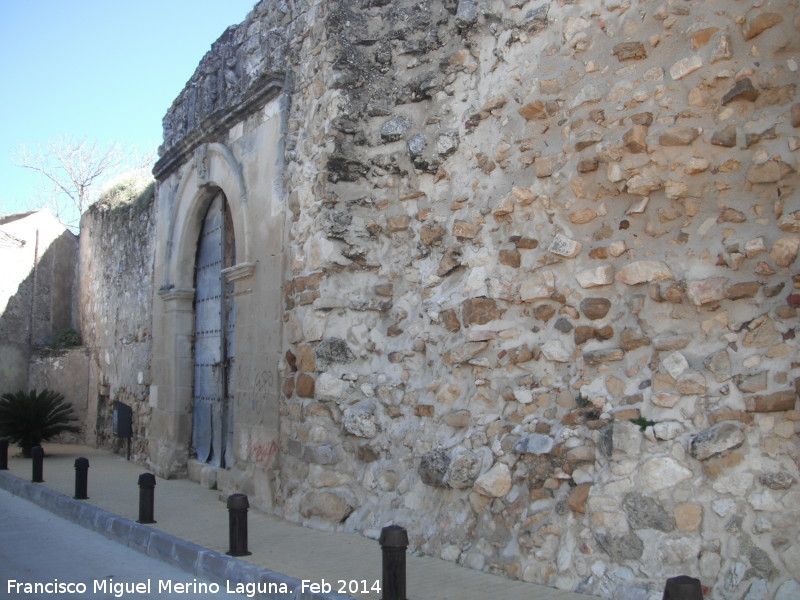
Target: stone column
171,392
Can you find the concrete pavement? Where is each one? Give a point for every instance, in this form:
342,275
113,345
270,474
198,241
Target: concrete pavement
39,548
192,533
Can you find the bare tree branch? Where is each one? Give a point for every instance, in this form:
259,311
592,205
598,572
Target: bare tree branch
76,171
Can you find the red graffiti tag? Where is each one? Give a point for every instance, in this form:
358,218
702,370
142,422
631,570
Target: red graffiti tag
264,453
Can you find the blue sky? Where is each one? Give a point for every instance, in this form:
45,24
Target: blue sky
104,70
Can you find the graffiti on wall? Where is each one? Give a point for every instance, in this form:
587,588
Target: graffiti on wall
255,398
264,453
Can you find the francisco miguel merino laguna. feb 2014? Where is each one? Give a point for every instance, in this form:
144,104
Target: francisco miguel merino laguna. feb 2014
120,589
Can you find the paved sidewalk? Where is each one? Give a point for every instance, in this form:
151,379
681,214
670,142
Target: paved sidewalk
192,532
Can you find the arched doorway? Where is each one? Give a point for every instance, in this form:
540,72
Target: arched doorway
229,418
213,354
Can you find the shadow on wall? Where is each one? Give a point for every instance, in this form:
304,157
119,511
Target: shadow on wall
38,262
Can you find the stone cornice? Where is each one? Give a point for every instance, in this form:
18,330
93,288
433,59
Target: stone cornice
214,128
238,272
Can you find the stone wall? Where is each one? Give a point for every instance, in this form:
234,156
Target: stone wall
116,297
67,372
39,257
541,294
540,221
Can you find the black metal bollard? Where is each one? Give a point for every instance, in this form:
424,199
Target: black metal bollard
37,456
147,486
683,587
81,478
4,454
394,541
237,525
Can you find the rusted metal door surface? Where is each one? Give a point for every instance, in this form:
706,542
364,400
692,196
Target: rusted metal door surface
213,338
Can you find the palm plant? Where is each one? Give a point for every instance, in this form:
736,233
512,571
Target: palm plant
28,418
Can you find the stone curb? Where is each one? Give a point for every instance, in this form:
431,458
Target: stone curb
160,545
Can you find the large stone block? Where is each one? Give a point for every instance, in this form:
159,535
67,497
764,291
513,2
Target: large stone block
318,454
534,443
596,277
463,470
595,308
361,421
660,473
759,23
578,496
479,311
395,128
464,352
495,483
328,505
621,548
333,351
644,271
629,51
433,467
645,513
679,136
564,246
635,139
775,402
541,285
626,438
466,229
716,440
